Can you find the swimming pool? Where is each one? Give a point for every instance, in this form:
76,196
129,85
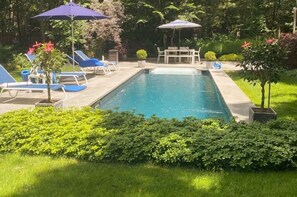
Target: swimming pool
169,93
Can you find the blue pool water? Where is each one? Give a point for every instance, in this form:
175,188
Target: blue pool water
169,96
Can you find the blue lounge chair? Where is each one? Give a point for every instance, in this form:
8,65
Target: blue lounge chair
83,56
7,82
75,75
217,65
85,61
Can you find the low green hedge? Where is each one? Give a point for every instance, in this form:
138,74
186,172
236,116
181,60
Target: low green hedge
230,57
95,135
220,47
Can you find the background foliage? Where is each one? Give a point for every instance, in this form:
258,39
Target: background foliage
138,29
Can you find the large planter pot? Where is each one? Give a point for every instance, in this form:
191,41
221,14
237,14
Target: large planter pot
141,63
208,64
261,115
55,104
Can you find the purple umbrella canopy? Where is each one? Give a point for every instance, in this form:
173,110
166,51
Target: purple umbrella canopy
70,11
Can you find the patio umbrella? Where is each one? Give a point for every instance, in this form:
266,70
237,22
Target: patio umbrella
70,11
179,24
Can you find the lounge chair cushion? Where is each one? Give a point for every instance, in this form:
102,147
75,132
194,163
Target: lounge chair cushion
90,63
74,88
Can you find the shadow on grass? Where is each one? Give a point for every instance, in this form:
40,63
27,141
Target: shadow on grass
289,77
235,75
86,179
287,109
45,176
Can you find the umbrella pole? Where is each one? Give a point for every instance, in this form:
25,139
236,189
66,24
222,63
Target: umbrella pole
72,40
178,38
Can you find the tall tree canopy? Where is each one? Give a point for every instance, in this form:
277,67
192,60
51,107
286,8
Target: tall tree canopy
248,18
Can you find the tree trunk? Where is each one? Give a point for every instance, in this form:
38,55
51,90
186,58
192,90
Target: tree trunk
18,22
48,82
269,94
172,37
263,95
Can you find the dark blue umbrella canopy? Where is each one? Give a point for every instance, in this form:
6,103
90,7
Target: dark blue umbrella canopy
70,11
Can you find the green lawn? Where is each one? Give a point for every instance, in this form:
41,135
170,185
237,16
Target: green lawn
283,94
46,176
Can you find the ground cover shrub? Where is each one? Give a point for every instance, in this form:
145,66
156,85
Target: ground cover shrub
95,135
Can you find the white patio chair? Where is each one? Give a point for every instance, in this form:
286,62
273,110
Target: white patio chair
197,54
160,54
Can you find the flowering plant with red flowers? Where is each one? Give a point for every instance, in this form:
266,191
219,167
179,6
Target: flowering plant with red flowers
49,60
262,63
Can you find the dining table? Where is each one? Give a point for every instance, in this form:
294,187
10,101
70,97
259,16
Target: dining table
179,53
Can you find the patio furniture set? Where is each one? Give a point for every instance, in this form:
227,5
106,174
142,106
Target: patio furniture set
180,54
36,81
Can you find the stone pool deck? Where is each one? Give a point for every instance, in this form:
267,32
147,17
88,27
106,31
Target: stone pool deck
100,85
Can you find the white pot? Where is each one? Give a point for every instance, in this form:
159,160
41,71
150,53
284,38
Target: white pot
208,64
141,63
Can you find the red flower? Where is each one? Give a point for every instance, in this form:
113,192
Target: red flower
270,41
37,44
49,46
31,51
246,45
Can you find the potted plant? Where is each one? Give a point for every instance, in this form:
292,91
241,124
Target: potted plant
262,63
50,61
209,56
141,56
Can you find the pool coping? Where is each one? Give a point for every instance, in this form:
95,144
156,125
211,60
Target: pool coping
235,99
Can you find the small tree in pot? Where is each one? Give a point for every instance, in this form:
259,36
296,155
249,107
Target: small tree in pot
262,63
141,56
49,60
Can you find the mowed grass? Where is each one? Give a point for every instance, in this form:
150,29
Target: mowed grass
46,176
283,94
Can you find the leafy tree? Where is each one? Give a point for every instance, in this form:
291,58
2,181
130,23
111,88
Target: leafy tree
60,32
107,30
263,63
